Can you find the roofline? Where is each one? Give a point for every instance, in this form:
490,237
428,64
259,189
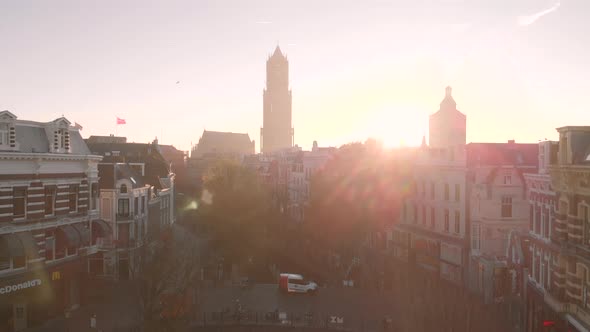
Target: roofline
56,156
573,128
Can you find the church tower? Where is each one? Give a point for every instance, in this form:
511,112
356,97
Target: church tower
277,131
447,127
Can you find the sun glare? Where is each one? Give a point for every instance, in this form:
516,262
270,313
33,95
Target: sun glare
397,126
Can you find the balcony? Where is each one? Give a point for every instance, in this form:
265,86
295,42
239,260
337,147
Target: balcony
105,243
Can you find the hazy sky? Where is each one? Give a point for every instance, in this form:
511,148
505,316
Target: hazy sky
518,68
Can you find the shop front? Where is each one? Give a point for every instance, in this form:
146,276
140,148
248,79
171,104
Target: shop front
31,298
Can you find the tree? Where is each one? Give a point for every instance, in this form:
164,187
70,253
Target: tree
357,192
161,270
236,208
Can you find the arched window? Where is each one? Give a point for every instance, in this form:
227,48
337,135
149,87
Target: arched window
123,189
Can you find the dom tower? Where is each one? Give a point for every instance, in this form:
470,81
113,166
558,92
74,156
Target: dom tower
276,132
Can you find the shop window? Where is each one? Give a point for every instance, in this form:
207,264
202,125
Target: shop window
4,262
19,202
18,262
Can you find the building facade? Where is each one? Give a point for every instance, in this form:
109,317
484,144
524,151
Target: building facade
569,280
277,130
137,200
498,205
48,219
433,227
541,250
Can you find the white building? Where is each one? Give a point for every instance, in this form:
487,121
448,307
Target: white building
433,223
498,205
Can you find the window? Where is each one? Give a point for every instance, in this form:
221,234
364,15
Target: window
123,189
507,179
545,222
405,212
4,133
19,200
531,217
432,188
447,221
506,207
423,188
123,207
49,200
4,262
457,222
73,198
432,218
93,196
136,206
18,262
446,191
415,214
49,245
475,237
457,192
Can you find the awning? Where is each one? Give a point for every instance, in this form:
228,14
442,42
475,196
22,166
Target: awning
101,228
71,235
29,244
84,232
13,246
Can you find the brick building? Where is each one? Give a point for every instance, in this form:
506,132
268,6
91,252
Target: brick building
48,212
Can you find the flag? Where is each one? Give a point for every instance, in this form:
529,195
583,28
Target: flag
121,121
77,126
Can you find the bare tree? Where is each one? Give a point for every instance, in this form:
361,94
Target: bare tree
163,277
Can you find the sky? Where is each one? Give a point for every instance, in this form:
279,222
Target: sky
358,69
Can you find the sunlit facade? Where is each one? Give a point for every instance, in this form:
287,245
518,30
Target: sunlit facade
48,219
569,282
433,228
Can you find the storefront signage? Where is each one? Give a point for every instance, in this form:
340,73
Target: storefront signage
16,287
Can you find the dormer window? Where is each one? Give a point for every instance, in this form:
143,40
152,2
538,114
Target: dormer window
61,139
7,131
4,134
123,189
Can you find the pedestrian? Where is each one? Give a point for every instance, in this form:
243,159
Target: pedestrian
93,321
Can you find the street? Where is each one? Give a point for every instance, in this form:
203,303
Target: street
356,306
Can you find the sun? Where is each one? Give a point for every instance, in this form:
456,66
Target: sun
397,126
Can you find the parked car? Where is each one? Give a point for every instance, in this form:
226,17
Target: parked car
296,283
